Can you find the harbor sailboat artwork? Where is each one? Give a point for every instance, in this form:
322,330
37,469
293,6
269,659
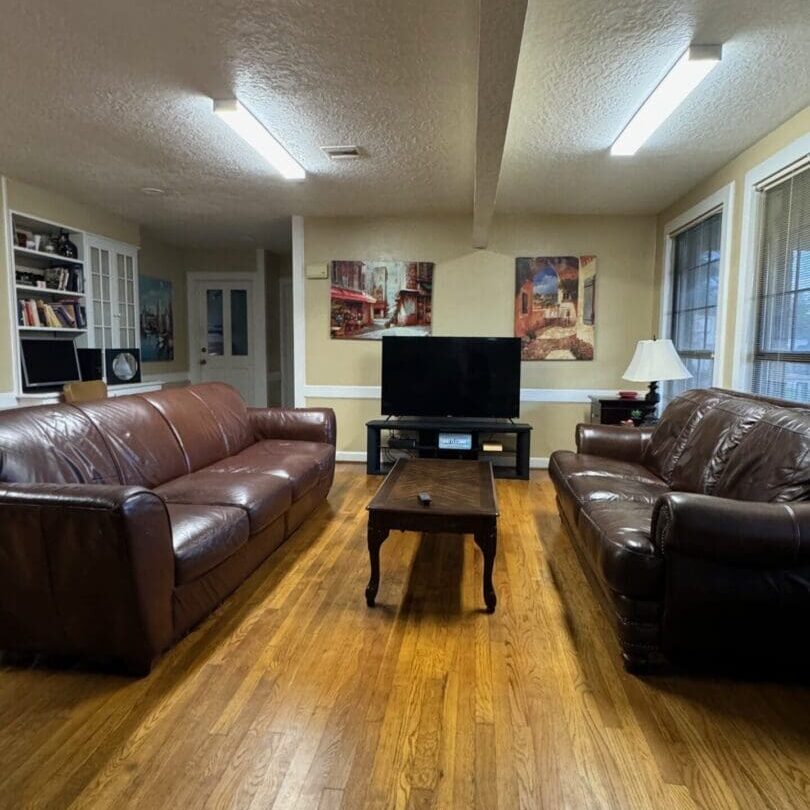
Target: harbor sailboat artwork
157,319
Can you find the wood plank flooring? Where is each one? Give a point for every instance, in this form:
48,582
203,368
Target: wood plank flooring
295,695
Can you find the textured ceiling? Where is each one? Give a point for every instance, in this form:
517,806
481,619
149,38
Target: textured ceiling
115,95
103,97
587,65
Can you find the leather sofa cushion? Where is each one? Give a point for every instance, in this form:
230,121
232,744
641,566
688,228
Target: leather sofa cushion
703,460
772,462
300,471
197,429
617,534
142,445
263,497
304,464
565,464
53,444
674,431
322,454
204,536
591,488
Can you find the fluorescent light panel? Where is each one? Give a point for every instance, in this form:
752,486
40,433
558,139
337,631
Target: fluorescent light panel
253,132
687,73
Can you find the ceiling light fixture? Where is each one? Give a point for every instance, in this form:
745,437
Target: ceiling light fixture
253,132
686,74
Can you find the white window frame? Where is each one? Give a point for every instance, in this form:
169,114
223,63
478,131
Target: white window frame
722,202
783,162
94,240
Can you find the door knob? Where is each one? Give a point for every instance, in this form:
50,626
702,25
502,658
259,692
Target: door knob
203,362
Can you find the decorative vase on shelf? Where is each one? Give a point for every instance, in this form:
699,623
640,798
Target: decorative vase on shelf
66,248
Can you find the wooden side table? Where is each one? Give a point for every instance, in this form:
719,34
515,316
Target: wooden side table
614,410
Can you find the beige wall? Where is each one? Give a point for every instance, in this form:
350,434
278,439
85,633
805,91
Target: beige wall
160,260
220,261
735,172
474,295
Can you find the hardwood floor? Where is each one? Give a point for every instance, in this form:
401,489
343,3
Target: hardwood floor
296,695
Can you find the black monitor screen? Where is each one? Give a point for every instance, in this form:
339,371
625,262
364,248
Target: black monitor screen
48,362
450,376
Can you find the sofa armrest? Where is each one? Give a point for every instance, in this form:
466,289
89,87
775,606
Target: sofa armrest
613,441
725,531
304,424
89,571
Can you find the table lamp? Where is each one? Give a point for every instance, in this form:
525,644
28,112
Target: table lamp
653,361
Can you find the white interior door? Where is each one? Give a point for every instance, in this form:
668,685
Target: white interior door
226,345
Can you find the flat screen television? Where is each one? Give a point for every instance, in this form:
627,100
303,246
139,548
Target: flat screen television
451,376
48,362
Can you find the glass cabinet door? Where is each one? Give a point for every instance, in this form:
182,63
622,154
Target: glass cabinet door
127,325
114,283
102,296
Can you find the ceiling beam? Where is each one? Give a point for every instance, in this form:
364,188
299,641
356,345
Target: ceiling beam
500,30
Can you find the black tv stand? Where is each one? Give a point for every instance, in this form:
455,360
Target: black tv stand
508,463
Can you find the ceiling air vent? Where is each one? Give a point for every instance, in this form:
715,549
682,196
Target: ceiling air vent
342,152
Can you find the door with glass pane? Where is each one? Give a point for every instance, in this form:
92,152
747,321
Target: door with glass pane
695,288
225,334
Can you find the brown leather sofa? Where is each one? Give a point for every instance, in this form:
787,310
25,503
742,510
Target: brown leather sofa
698,530
126,521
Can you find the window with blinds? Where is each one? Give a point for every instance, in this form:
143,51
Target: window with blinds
781,358
693,320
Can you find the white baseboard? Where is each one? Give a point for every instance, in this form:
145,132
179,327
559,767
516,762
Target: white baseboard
538,463
351,455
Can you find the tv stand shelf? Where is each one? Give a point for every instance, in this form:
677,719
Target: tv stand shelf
425,432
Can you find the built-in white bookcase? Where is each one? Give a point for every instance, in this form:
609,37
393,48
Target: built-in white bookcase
65,280
103,282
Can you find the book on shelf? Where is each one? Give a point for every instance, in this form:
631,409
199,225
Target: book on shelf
65,314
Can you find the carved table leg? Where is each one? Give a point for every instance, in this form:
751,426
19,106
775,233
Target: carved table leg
487,541
376,537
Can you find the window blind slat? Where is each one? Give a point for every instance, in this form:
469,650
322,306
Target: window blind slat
693,319
781,365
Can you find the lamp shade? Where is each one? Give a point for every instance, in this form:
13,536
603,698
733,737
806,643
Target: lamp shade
656,360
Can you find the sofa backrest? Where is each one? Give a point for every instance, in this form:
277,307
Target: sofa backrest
772,461
674,430
209,421
733,445
140,441
53,444
143,439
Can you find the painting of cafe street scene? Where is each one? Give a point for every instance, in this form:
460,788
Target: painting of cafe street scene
555,307
370,299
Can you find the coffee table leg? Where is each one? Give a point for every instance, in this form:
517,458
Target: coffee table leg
487,541
376,537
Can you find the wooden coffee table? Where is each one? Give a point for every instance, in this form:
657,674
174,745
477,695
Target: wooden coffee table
463,502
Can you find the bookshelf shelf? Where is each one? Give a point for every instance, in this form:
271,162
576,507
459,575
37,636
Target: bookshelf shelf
49,259
63,329
28,288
